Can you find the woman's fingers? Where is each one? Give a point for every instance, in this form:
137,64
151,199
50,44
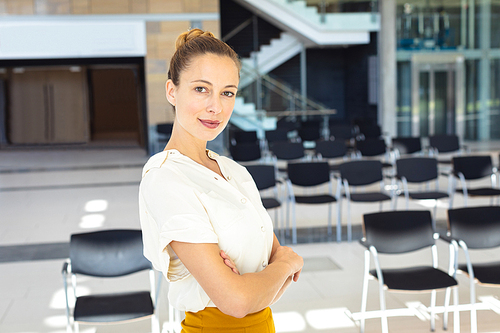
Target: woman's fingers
229,263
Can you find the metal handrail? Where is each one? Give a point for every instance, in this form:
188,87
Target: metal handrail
281,88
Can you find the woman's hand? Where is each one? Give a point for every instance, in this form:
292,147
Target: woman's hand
287,255
229,263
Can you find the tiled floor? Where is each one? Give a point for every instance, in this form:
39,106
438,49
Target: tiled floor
46,195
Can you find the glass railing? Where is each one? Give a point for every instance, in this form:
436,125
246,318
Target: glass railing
343,6
276,97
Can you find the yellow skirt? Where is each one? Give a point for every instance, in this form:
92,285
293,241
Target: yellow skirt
212,320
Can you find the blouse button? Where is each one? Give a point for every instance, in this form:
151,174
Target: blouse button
228,177
262,228
243,201
264,264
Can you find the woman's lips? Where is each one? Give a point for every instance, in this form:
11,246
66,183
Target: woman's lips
212,124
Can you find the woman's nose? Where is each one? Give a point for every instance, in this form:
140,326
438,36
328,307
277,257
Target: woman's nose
215,105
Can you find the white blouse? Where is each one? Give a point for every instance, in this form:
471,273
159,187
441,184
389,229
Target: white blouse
181,200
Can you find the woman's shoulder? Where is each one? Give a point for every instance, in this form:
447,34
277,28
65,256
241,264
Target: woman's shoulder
164,164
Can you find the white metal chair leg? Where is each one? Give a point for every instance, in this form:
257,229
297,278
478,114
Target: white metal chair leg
433,310
364,296
446,305
456,314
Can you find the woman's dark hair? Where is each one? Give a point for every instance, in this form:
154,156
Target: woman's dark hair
193,43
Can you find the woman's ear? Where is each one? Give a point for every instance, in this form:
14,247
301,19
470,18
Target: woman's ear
170,92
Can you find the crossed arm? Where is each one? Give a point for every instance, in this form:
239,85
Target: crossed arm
234,294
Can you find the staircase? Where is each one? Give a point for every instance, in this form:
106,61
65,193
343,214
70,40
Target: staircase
271,56
304,22
302,27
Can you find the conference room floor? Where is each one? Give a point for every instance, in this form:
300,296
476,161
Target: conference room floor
46,195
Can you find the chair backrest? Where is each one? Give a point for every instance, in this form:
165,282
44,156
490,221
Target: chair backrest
407,145
108,253
244,152
341,132
473,167
309,133
371,147
370,130
279,134
444,143
164,128
287,150
359,173
399,231
417,169
245,136
331,149
308,173
263,175
478,227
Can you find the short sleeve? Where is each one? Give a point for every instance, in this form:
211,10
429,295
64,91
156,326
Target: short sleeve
171,211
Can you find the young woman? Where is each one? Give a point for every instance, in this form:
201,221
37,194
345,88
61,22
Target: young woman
202,218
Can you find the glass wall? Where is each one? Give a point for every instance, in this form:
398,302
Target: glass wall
461,27
495,100
403,105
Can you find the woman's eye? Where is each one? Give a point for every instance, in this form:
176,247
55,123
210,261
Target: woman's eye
228,93
200,89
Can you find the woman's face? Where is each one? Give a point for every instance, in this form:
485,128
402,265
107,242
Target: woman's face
204,98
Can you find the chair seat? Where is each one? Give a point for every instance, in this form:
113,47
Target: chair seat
369,197
485,273
416,278
315,199
112,308
270,203
428,195
483,191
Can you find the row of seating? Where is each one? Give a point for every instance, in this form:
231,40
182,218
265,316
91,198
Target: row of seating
352,176
116,253
401,232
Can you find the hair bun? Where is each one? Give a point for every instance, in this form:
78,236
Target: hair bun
187,36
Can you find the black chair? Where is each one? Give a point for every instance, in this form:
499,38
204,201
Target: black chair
356,174
374,147
419,170
244,137
401,232
279,134
159,136
342,132
445,143
286,151
309,133
311,174
245,152
369,130
265,179
331,149
472,168
476,228
109,254
406,146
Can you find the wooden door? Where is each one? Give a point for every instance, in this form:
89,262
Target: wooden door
28,108
48,106
68,106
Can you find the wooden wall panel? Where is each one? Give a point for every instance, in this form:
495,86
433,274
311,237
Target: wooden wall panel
210,6
19,7
192,6
52,7
80,7
109,6
166,6
138,6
